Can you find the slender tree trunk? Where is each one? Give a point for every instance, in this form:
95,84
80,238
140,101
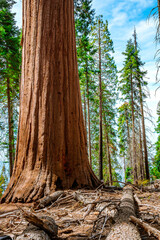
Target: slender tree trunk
141,154
51,149
142,113
124,162
100,112
10,127
109,160
145,144
129,144
89,130
85,117
12,133
144,136
133,135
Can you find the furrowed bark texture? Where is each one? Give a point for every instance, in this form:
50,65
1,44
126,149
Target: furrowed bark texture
123,229
51,147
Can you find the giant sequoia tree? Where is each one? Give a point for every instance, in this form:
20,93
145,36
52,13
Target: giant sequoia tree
51,146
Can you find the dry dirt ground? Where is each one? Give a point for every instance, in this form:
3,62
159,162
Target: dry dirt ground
86,216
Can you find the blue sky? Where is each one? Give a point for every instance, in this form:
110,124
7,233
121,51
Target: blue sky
123,16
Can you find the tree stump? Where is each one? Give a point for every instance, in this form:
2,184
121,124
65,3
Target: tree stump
123,229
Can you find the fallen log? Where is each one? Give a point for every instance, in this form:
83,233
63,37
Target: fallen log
123,228
149,229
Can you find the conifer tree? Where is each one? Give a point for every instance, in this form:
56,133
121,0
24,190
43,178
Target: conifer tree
155,171
106,89
84,17
132,86
127,87
141,84
10,59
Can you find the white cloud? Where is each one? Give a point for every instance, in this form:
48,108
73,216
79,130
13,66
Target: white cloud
119,20
143,3
146,30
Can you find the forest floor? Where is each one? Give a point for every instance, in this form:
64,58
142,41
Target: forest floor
85,216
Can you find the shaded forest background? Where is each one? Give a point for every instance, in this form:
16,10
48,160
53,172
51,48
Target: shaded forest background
114,103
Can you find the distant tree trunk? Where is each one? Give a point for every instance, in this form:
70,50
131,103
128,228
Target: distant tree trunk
124,163
51,149
144,138
133,136
100,112
129,144
141,154
84,105
142,114
89,130
109,160
10,127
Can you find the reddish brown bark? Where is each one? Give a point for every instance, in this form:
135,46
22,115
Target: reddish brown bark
51,147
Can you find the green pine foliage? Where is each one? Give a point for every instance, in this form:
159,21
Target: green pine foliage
3,180
10,62
132,87
84,18
109,97
155,171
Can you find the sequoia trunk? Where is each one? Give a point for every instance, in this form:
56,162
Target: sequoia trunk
51,146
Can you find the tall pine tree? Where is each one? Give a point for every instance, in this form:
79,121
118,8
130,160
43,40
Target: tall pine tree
10,60
107,94
132,87
84,17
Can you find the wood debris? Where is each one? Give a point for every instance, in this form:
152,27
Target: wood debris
82,214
